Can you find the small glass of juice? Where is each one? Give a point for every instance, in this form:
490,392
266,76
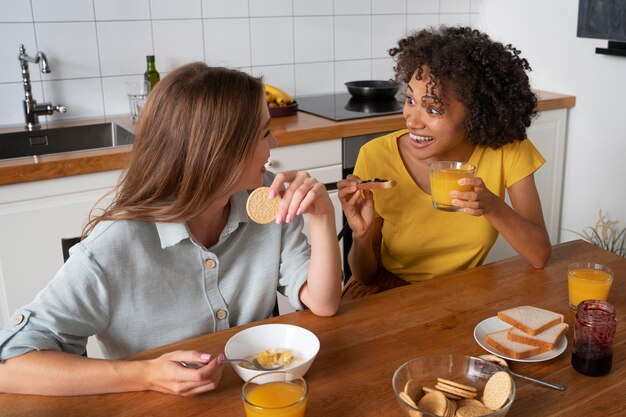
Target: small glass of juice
444,177
588,281
278,393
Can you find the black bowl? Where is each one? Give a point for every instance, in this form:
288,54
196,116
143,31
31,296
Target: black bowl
288,110
373,88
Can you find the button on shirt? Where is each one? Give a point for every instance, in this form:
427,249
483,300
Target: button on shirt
138,285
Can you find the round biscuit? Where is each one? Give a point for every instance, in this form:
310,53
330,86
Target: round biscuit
451,411
434,402
469,401
497,390
413,388
260,207
407,399
456,384
493,358
472,411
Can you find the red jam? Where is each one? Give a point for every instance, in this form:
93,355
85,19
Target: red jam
594,331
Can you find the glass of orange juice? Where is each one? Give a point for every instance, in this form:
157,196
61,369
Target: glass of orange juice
444,177
278,393
588,281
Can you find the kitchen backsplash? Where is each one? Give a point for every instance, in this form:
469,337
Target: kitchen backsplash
303,46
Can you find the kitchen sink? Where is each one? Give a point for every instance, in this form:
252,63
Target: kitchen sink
63,139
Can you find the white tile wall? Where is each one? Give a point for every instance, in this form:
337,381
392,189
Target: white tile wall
16,11
221,8
309,8
272,40
314,38
353,35
179,9
386,30
303,46
260,8
170,35
71,49
121,9
389,6
62,10
227,42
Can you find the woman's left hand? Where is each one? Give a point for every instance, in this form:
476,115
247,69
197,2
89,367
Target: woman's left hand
477,202
304,194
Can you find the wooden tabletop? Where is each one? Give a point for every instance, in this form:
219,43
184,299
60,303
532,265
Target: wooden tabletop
369,338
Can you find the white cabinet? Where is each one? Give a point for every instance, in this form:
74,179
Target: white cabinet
548,134
34,217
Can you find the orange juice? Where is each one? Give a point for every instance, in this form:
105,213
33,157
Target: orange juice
277,398
444,177
588,282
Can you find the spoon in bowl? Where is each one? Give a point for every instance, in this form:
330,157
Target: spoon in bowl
254,363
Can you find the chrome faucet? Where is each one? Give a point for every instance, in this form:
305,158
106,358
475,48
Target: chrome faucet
32,110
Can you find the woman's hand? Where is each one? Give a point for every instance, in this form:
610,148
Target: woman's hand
358,205
166,374
304,194
477,202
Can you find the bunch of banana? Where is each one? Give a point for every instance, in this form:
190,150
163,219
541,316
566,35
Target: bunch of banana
275,97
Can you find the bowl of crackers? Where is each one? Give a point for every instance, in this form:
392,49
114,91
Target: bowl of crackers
453,386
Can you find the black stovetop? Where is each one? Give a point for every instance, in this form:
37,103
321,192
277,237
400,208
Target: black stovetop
344,107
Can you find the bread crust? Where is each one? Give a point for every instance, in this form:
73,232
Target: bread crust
507,316
492,339
545,345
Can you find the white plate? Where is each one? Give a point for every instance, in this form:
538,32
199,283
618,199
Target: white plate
494,324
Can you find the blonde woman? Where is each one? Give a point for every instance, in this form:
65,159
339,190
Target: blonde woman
175,254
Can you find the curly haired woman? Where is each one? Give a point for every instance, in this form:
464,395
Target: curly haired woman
468,99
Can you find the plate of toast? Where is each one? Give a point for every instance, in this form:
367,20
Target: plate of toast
523,334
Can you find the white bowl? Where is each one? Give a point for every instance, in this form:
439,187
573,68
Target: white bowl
303,343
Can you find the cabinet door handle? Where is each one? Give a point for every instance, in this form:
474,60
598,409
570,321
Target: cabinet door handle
269,163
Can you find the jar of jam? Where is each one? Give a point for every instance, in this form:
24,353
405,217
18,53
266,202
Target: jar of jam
594,331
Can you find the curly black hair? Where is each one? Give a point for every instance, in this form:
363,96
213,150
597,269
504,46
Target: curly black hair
487,77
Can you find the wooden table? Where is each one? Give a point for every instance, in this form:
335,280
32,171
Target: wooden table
368,339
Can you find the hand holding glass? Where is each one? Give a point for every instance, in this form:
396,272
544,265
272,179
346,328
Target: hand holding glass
444,177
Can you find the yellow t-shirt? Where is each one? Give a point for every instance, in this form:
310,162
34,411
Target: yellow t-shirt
420,242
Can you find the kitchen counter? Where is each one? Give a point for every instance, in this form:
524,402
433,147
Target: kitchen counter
292,130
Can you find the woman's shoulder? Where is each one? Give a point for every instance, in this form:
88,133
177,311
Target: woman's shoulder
513,148
384,142
109,233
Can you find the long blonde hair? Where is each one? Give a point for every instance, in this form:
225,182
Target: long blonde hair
196,132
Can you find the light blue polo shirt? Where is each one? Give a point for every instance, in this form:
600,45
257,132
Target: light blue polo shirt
138,285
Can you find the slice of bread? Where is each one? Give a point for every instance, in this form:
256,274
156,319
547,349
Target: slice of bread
545,340
515,350
529,319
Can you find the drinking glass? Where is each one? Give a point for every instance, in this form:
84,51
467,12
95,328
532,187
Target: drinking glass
444,177
278,393
137,92
588,281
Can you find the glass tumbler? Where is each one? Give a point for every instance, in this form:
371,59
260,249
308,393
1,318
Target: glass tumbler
594,331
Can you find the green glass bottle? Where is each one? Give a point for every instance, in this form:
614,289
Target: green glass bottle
151,75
